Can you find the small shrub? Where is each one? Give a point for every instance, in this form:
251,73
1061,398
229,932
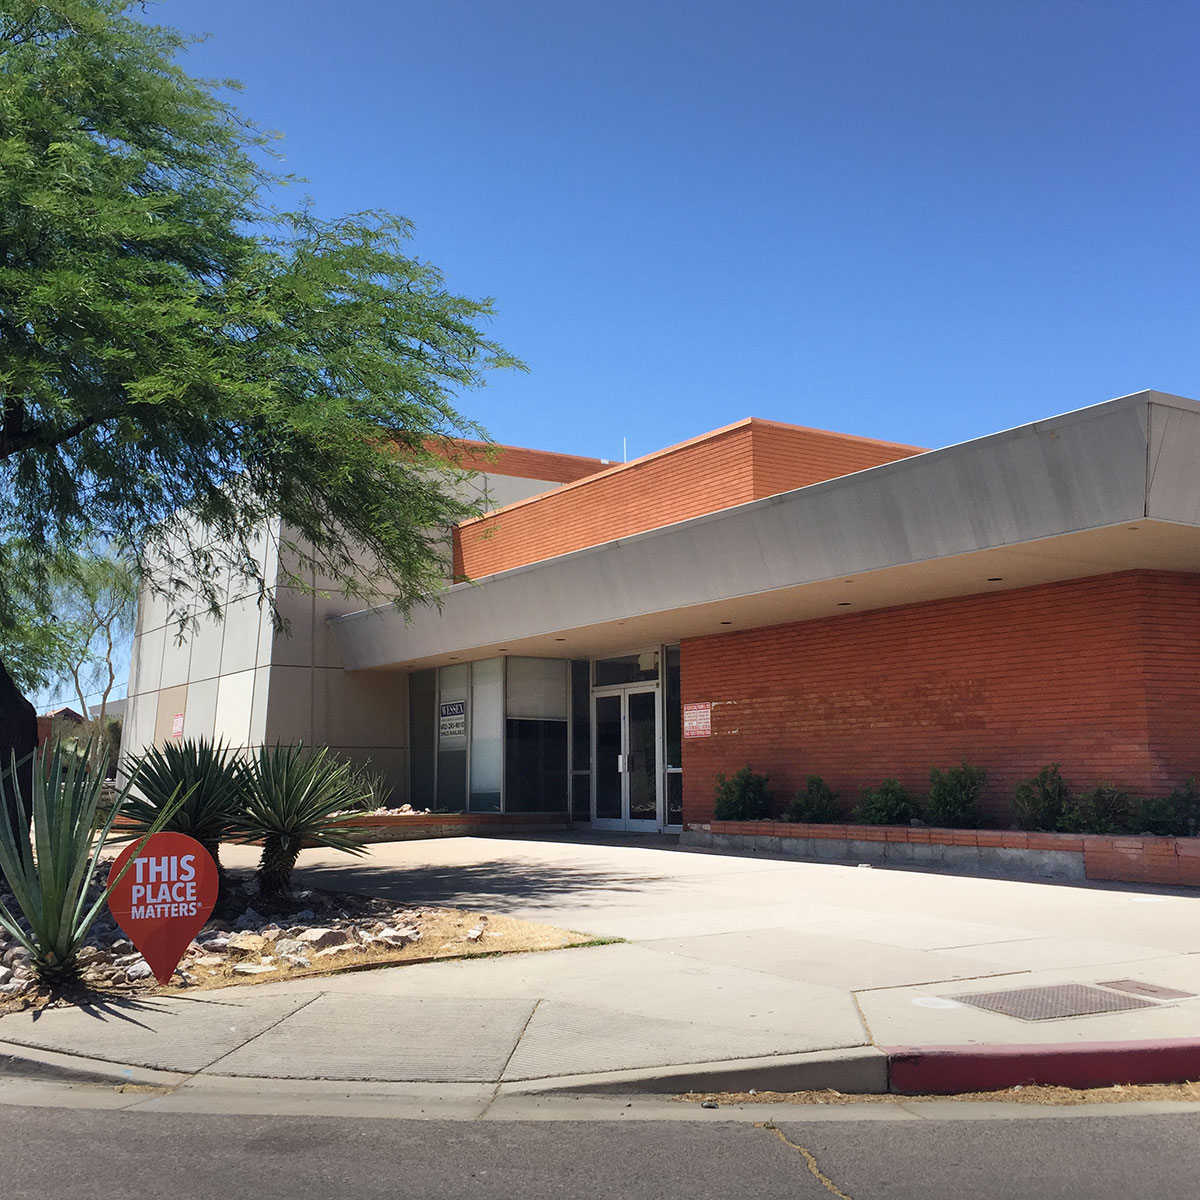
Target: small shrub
745,797
1157,815
298,797
1105,809
954,797
816,804
889,804
1041,803
1185,801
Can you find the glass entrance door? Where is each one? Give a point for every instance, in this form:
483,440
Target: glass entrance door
625,754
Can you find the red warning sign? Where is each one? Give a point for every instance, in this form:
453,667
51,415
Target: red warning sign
164,898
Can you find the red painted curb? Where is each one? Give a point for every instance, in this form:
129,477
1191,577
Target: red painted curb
945,1070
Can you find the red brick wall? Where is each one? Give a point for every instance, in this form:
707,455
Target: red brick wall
1097,674
743,462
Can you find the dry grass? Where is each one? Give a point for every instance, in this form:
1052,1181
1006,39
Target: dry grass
444,935
1043,1094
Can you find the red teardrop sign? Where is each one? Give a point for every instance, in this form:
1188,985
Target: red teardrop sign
164,898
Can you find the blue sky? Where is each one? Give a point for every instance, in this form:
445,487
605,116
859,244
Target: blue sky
910,219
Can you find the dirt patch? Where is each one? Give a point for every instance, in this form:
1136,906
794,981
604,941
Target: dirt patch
1028,1094
314,933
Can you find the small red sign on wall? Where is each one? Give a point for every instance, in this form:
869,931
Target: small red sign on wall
177,725
164,898
697,720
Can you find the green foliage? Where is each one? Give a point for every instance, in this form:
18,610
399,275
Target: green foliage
1105,809
376,791
1176,815
183,365
1043,803
953,797
298,798
888,804
815,804
50,869
210,779
745,797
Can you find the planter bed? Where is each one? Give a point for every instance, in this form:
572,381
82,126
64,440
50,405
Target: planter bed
408,826
1122,858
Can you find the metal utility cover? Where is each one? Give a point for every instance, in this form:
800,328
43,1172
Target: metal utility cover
1155,991
1049,1003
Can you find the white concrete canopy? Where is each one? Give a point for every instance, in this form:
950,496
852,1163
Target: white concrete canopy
1107,488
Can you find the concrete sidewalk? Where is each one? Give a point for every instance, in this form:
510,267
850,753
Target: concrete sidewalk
736,973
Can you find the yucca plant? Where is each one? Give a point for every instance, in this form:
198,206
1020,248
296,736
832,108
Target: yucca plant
209,777
49,868
296,798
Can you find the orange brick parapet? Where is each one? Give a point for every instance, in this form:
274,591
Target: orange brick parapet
1166,861
1101,675
746,461
517,462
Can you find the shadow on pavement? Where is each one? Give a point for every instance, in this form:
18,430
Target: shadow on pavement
479,884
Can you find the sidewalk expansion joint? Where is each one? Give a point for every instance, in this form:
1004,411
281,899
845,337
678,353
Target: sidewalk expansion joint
897,987
274,1025
809,1158
500,1074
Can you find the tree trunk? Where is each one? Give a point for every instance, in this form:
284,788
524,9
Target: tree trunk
275,867
18,736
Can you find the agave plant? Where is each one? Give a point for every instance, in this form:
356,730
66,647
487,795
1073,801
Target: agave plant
210,779
298,798
49,868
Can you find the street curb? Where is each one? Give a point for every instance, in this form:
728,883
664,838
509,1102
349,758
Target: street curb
948,1070
31,1063
854,1069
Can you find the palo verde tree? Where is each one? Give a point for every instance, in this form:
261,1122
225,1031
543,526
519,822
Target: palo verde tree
183,366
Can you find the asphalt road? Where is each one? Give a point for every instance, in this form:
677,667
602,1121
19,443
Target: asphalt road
67,1153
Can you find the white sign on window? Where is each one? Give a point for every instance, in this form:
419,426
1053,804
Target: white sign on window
452,722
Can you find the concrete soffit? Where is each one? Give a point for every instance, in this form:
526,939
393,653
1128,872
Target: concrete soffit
1106,488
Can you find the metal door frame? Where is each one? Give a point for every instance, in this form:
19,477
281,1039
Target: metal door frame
624,823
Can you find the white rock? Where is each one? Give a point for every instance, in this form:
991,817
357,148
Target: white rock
270,932
332,950
127,960
246,943
5,974
295,960
393,937
140,970
208,960
286,946
217,942
473,935
321,938
16,987
251,969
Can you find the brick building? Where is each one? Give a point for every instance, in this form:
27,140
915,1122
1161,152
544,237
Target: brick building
803,601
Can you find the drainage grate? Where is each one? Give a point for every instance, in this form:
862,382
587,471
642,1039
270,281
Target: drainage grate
1058,1000
1155,991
